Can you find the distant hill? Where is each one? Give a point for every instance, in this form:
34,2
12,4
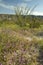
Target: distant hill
13,17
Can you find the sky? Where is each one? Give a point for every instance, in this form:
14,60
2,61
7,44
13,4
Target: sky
8,6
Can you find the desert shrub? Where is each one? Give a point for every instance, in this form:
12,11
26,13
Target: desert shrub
22,15
34,23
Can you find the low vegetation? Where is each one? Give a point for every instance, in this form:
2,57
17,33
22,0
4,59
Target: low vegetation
15,48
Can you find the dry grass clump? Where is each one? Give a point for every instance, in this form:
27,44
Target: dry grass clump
15,50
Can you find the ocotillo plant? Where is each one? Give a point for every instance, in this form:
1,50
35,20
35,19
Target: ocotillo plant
21,14
23,18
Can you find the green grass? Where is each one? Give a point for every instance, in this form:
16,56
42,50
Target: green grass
11,26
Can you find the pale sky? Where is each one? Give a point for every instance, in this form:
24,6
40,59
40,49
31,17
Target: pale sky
7,6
